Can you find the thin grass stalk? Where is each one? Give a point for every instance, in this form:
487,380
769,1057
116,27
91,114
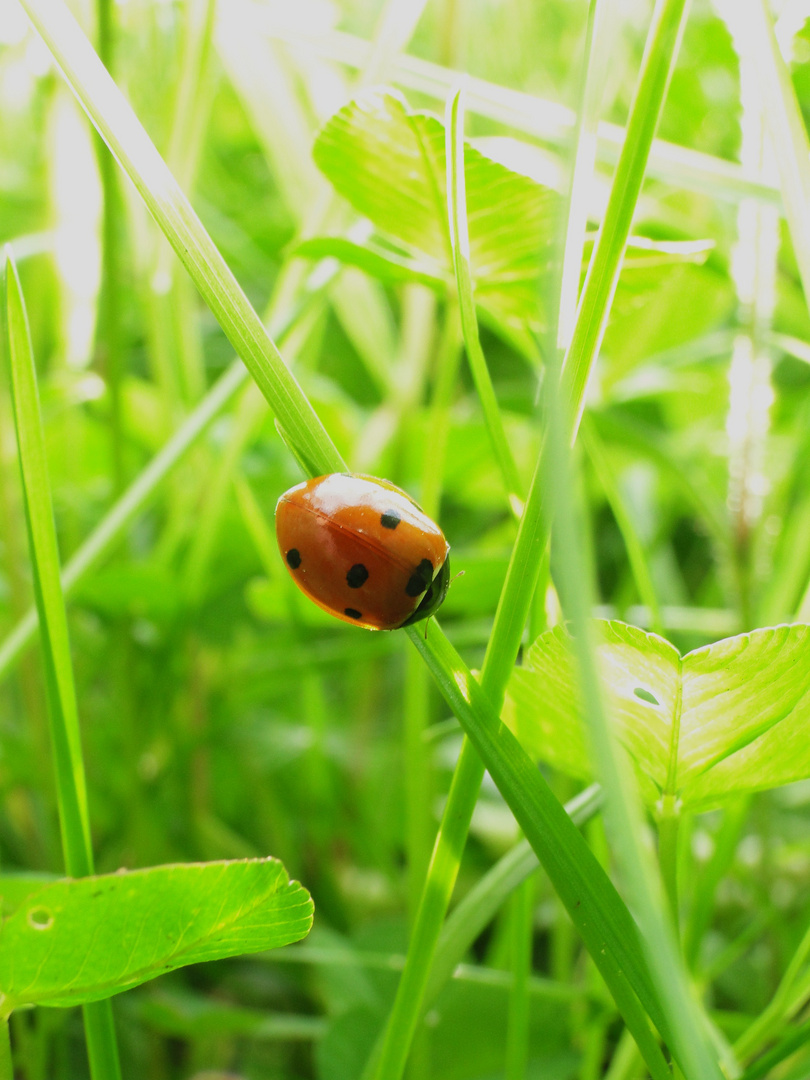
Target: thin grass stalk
522,574
460,238
623,812
418,773
545,120
62,706
140,492
521,913
109,339
121,130
789,139
6,1065
194,94
792,1041
636,556
474,913
601,918
443,665
781,1005
582,171
669,19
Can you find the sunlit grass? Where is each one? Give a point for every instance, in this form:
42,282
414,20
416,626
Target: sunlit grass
224,717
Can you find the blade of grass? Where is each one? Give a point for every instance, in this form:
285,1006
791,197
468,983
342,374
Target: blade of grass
636,556
626,825
137,496
622,806
472,914
524,566
603,272
782,1005
590,898
788,134
460,237
62,708
286,392
521,915
582,170
546,120
794,1040
121,130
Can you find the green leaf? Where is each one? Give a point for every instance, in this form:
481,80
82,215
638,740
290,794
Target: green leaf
727,718
389,162
76,941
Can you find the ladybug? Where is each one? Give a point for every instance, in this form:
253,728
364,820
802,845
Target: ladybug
363,550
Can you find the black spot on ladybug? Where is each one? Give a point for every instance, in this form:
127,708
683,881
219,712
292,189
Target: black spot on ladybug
353,613
390,519
294,558
420,578
357,576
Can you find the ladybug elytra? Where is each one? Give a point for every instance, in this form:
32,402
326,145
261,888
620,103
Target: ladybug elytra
363,550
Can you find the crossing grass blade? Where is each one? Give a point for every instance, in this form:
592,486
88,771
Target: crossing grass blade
62,708
122,131
457,211
579,879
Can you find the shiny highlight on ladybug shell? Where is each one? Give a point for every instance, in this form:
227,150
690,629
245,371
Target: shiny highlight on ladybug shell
363,550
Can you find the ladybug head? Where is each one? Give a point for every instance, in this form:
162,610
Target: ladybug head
433,598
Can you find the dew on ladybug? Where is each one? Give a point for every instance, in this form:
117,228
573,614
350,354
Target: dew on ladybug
363,550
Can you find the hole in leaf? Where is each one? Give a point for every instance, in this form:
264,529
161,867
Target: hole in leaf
39,918
645,695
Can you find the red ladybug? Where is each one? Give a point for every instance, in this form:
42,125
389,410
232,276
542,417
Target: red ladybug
363,550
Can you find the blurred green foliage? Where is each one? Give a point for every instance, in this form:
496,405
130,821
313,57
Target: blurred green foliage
225,717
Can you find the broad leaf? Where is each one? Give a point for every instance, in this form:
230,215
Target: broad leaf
389,162
75,941
726,718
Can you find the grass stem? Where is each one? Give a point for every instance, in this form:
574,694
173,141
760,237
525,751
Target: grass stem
62,705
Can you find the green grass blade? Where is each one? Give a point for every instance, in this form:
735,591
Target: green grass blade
112,526
521,934
128,141
794,1040
545,120
47,585
472,914
783,117
137,496
622,805
636,556
524,566
669,19
457,211
595,907
62,708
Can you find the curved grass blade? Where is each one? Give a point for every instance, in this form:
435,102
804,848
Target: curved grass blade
62,708
122,131
524,566
457,211
590,898
482,903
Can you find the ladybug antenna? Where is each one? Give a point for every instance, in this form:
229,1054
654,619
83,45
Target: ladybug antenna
461,573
